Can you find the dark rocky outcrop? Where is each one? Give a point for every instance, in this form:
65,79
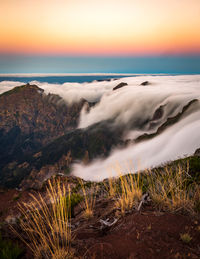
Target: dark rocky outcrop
122,84
145,83
170,121
197,152
158,113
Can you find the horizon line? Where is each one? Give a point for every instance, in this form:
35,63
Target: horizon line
73,74
90,74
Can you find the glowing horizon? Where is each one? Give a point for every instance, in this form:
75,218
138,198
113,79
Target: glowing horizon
94,27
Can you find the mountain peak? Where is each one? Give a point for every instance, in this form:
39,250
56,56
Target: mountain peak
23,88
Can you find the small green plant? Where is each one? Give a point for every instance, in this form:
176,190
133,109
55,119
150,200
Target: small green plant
16,197
186,238
8,250
76,198
89,199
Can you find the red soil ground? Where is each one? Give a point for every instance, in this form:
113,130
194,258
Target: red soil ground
145,234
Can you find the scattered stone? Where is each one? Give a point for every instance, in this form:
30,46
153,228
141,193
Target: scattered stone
11,220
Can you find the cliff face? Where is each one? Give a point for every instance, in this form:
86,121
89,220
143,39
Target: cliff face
30,119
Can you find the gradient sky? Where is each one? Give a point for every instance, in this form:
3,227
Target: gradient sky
100,27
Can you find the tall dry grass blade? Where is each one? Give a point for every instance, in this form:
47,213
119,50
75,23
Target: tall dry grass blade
46,222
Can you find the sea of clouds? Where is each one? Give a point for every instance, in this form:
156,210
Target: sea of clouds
135,104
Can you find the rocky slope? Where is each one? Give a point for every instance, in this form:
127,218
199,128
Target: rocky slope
38,136
30,119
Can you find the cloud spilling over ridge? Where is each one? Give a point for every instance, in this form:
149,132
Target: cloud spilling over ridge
70,92
74,92
132,106
135,105
181,139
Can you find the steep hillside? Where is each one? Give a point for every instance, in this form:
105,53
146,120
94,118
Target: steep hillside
30,119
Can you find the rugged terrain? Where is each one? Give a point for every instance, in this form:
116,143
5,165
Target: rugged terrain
152,232
145,234
40,138
30,119
39,135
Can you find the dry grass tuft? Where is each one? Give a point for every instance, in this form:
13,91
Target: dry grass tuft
170,190
46,223
111,187
130,193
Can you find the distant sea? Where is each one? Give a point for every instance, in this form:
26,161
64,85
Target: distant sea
69,78
62,79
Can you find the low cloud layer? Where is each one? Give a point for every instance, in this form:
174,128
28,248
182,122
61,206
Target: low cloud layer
135,105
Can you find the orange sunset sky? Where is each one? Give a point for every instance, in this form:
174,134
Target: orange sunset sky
100,27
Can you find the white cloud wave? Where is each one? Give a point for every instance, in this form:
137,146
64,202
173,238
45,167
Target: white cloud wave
178,141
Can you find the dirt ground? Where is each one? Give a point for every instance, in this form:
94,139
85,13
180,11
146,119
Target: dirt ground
146,234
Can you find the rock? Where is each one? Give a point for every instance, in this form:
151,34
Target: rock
11,220
197,152
145,83
158,113
122,84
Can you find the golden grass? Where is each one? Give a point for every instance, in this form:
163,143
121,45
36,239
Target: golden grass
130,192
46,220
89,199
46,223
171,191
127,190
111,187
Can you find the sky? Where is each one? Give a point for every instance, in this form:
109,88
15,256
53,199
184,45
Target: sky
96,28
